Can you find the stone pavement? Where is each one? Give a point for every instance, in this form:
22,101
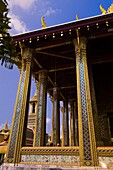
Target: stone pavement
48,167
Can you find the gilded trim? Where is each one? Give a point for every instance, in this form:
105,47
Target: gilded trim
50,151
105,151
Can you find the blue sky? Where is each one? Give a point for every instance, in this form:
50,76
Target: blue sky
25,16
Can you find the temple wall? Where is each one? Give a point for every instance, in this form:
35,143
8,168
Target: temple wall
64,155
62,159
107,161
50,159
51,155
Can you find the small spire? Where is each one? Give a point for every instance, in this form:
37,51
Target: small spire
5,126
110,9
77,17
34,99
35,93
43,22
102,10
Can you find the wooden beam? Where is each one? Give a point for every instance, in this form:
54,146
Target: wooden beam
38,63
66,87
61,69
53,45
55,55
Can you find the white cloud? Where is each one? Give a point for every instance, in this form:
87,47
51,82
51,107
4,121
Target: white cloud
50,11
17,25
30,7
48,125
24,4
61,130
47,11
48,120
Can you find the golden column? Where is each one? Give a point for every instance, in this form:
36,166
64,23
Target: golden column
76,124
21,108
72,124
56,117
52,120
65,124
94,108
63,113
87,143
40,124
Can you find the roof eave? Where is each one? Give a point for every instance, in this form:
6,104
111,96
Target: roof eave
65,26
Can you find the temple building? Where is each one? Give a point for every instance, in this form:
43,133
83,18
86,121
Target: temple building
4,133
73,62
32,112
4,140
4,136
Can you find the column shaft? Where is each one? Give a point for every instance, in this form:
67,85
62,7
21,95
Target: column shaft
72,124
87,143
65,124
94,108
52,121
63,113
56,117
40,125
76,124
20,110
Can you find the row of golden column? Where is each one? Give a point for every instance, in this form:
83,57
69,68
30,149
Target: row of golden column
40,124
85,129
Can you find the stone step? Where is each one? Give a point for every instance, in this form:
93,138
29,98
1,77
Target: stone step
48,167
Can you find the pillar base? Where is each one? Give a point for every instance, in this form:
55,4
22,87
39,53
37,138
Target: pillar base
48,167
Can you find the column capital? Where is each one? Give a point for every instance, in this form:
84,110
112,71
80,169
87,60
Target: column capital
42,75
37,86
56,91
26,53
51,98
81,45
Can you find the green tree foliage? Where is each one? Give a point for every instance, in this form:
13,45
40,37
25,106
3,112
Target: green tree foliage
7,48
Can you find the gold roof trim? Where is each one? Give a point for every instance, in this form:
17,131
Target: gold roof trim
109,10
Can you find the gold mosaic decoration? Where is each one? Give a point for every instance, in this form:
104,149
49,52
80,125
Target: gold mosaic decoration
50,151
105,151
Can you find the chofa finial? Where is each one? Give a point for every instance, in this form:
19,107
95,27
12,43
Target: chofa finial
43,22
77,17
102,10
110,9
